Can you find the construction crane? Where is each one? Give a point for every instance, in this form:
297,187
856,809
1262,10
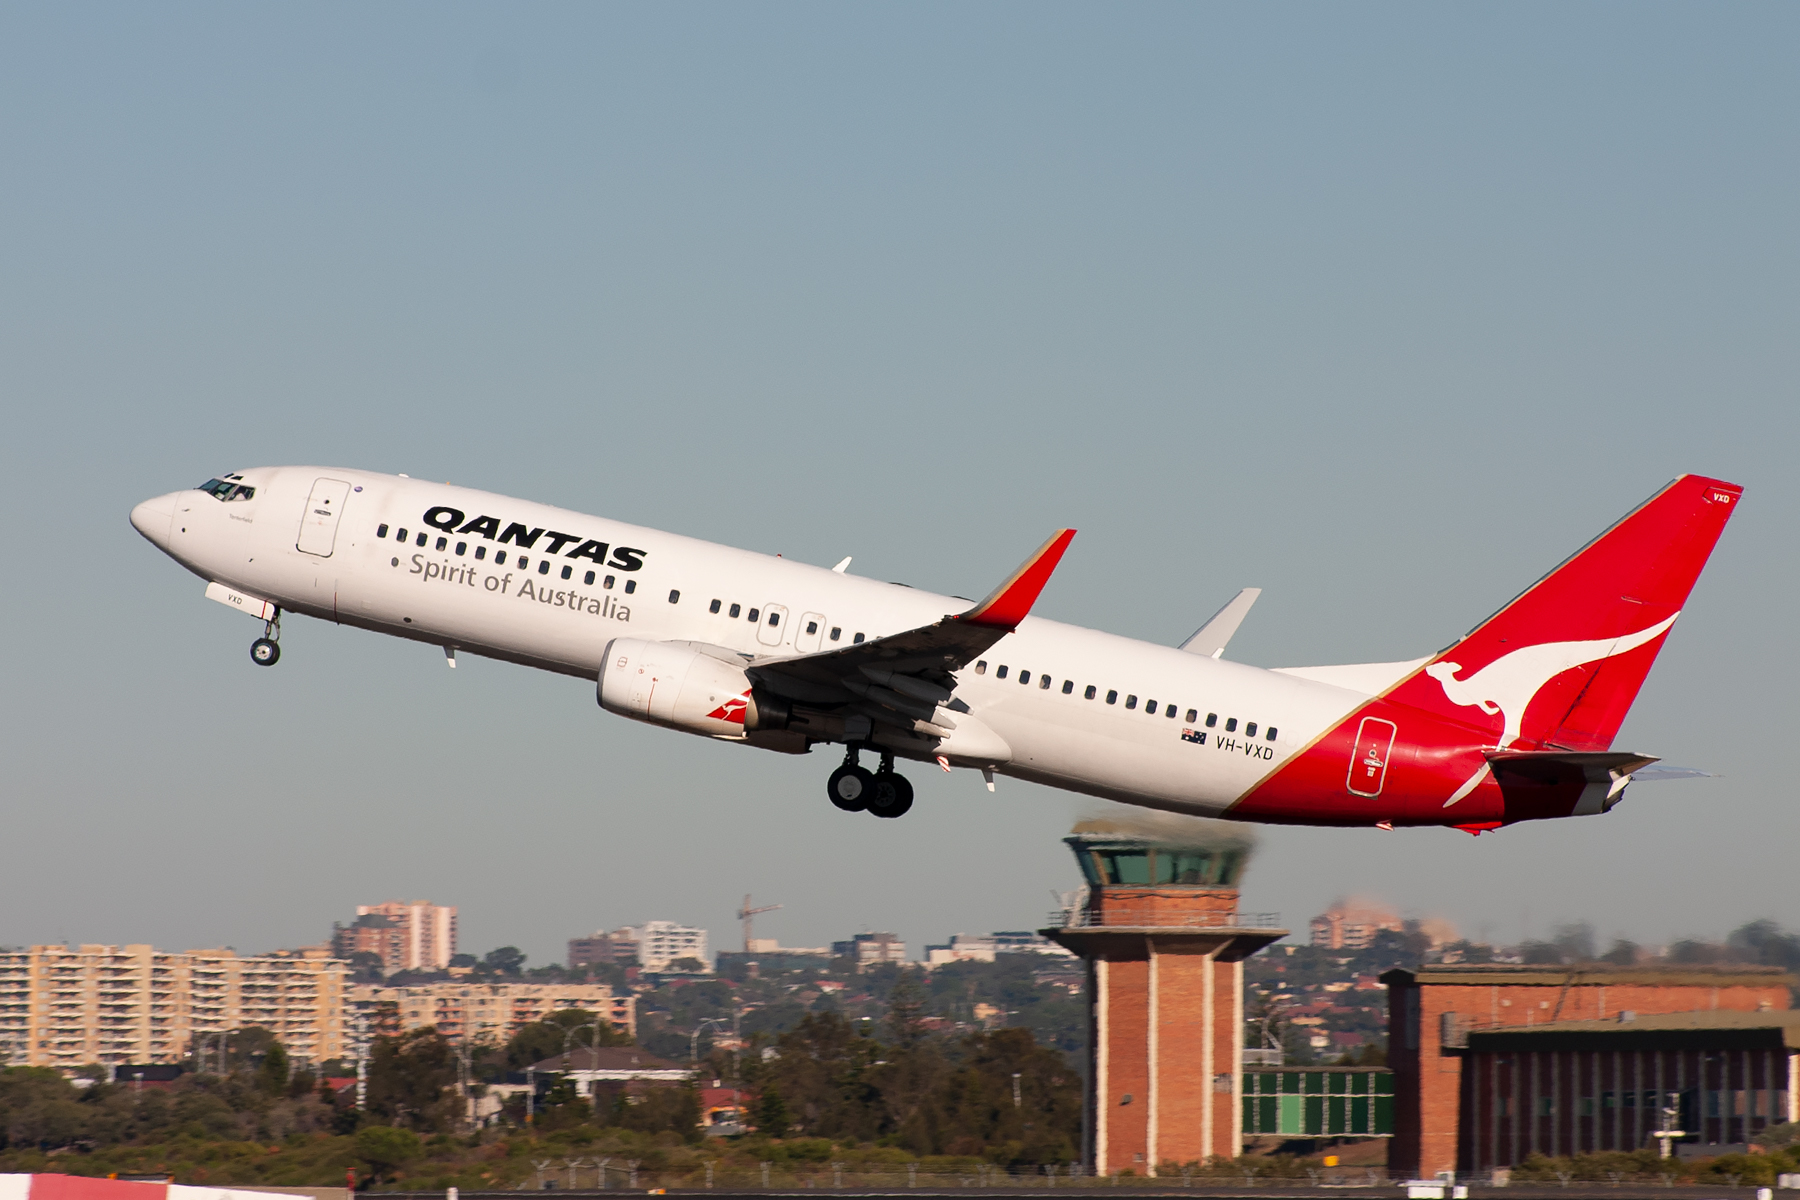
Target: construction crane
747,914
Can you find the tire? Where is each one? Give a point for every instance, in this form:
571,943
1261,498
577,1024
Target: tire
850,788
893,796
264,653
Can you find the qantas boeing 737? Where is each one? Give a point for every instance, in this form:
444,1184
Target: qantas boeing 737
1514,721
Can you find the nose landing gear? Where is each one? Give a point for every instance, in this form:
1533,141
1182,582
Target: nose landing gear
882,793
265,651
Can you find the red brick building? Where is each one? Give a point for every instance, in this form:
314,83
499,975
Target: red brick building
1165,998
1432,1012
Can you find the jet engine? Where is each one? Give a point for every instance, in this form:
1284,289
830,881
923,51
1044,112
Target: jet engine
685,688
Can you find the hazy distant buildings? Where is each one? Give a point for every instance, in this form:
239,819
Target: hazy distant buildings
871,948
1352,925
618,948
412,935
486,1012
662,944
67,1007
964,947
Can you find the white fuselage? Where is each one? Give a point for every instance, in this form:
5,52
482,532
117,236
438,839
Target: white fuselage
455,591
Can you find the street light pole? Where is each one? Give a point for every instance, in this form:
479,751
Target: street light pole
694,1040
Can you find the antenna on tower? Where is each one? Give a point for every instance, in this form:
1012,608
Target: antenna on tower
747,914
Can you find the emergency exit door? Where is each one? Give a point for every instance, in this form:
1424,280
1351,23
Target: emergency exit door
324,508
773,625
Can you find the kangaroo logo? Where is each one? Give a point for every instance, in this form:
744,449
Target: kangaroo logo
1509,684
732,710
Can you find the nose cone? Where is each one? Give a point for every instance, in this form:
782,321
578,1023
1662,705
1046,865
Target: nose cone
152,519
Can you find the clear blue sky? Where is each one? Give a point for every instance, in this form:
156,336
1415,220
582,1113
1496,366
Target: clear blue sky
1382,308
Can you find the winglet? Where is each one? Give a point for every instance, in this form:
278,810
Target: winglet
1210,638
1007,604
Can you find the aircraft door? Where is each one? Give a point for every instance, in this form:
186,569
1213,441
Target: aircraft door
318,525
1369,762
773,625
811,633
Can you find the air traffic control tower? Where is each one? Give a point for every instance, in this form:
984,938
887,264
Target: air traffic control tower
1159,927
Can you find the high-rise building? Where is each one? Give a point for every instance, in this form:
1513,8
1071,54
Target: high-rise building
487,1012
66,1006
619,948
662,944
419,935
1352,925
867,948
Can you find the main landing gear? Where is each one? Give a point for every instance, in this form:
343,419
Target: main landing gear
882,793
265,651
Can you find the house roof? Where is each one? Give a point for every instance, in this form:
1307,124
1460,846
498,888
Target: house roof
625,1059
1710,1029
1591,974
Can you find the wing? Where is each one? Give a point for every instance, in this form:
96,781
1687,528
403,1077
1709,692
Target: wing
904,680
1210,638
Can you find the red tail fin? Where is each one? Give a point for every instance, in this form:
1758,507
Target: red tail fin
1561,664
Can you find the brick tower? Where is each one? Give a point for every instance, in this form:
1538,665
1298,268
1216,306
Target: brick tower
1164,943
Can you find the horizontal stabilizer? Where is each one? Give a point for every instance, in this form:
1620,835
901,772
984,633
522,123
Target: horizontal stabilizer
1597,763
1211,637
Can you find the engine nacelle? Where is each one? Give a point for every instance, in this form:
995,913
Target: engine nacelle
676,685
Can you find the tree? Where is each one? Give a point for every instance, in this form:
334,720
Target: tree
544,1039
507,960
384,1148
770,1116
366,967
410,1080
272,1075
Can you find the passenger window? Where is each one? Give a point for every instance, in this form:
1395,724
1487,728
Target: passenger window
981,667
442,542
1091,692
1044,683
754,615
1150,707
1000,673
499,558
1131,702
812,627
837,631
481,552
1169,711
714,607
857,639
1193,715
543,566
400,535
1025,677
420,540
737,610
523,562
567,570
1230,724
774,619
462,548
1068,686
588,579
1212,719
381,531
1112,697
607,583
1271,734
630,586
1250,729
674,597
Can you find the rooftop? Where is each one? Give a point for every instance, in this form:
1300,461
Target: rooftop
1710,1027
1591,973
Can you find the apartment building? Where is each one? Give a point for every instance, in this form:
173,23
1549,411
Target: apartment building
66,1007
409,935
661,944
486,1012
618,948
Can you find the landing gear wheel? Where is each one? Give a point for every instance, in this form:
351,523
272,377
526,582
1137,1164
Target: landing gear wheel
850,787
264,652
892,797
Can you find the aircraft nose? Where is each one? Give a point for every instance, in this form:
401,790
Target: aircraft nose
153,517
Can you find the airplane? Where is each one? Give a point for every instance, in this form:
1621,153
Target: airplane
1512,722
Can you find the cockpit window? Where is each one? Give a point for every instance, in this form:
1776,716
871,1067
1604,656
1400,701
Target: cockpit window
221,489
